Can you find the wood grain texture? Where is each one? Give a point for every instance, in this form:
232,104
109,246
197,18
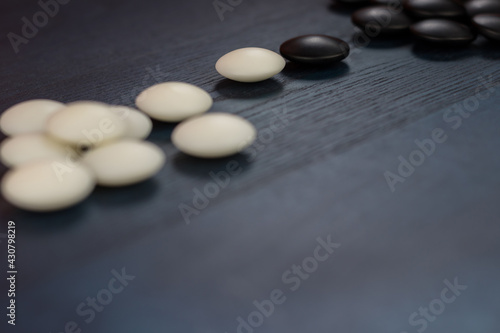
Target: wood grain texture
321,173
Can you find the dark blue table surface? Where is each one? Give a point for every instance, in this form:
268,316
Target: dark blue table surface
420,255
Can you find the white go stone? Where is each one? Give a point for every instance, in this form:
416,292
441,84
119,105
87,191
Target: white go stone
213,135
85,124
124,162
139,125
173,101
28,117
25,148
47,185
250,64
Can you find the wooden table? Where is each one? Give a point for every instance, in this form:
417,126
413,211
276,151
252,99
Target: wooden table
328,141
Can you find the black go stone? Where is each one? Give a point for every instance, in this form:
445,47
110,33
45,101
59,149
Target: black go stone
381,21
488,25
424,9
315,49
443,32
475,7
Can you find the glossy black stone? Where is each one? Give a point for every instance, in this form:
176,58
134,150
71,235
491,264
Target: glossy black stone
488,25
424,9
381,20
476,7
315,49
443,32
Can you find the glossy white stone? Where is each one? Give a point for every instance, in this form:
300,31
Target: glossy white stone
173,101
85,124
213,135
139,125
28,117
47,185
124,162
250,64
25,148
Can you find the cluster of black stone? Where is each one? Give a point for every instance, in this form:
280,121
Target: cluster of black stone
441,22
